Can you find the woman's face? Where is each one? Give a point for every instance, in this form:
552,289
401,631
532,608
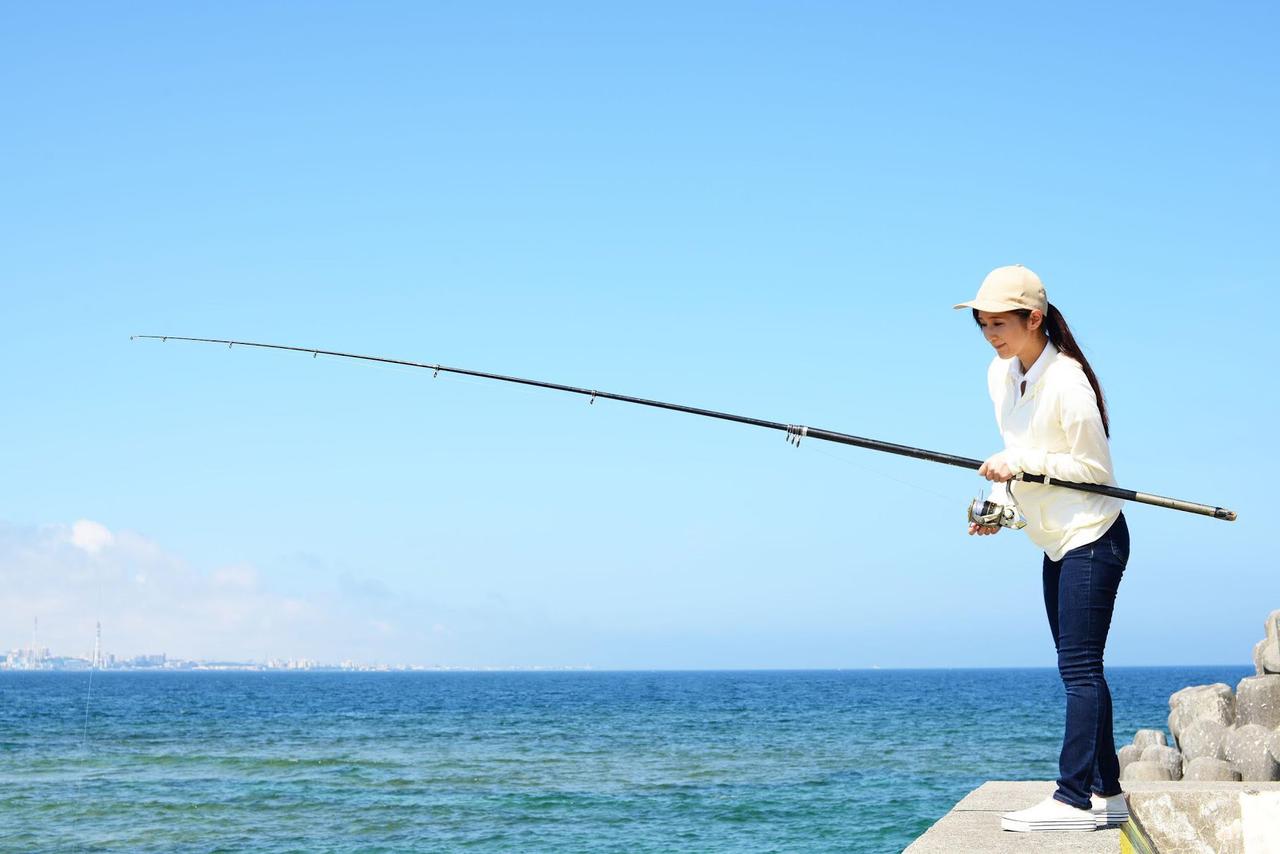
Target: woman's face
1008,333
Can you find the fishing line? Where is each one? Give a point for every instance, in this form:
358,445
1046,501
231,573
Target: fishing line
487,387
949,499
527,392
96,657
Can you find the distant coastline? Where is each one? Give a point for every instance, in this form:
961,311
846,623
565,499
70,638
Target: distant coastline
22,661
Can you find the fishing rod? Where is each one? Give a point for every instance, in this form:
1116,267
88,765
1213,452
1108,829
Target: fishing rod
794,432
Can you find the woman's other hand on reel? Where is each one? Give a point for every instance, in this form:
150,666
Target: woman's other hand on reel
982,530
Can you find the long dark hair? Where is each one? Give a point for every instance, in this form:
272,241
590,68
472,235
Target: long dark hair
1060,336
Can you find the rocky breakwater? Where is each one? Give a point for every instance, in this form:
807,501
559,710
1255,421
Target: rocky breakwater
1218,734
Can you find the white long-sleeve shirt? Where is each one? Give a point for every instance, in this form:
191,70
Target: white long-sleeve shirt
1054,429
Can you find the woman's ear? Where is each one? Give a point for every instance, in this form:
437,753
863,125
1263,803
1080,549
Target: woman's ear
1035,320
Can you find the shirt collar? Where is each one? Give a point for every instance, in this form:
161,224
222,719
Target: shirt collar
1036,370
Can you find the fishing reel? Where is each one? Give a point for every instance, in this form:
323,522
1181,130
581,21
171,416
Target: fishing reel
990,514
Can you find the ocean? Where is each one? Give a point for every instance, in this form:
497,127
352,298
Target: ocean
740,761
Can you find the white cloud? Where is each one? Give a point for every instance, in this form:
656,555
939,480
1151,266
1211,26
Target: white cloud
241,577
150,600
90,536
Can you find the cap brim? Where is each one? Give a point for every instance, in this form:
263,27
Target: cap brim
988,305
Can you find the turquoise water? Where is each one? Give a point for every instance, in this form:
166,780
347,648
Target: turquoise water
807,761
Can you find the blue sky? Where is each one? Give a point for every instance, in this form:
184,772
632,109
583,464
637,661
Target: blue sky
762,208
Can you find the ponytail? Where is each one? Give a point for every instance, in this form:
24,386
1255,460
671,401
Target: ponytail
1060,336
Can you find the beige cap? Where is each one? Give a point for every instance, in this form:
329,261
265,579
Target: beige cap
1009,289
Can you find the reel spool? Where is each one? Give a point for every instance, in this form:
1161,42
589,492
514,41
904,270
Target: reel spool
990,514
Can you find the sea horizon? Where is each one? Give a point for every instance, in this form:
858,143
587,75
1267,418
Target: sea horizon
255,667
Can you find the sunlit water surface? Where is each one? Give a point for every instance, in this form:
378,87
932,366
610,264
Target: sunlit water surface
851,761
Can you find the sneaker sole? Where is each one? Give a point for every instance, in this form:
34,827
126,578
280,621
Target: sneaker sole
1068,825
1110,819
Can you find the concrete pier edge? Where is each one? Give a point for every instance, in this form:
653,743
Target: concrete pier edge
1166,817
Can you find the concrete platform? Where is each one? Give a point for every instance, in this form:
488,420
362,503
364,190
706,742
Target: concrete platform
1174,818
973,825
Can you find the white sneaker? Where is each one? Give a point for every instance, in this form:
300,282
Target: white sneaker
1048,815
1109,811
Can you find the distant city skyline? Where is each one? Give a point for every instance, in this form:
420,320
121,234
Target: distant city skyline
27,660
36,657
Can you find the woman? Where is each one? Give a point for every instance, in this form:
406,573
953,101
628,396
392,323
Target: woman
1052,416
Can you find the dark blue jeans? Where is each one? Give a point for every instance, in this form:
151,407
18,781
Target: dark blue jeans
1079,596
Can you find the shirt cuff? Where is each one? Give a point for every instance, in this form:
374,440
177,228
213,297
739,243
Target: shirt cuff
1023,461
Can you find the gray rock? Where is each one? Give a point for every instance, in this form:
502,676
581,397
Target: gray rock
1145,771
1248,750
1179,696
1204,768
1144,738
1258,701
1127,754
1203,739
1270,657
1194,819
1166,757
1258,669
1201,703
